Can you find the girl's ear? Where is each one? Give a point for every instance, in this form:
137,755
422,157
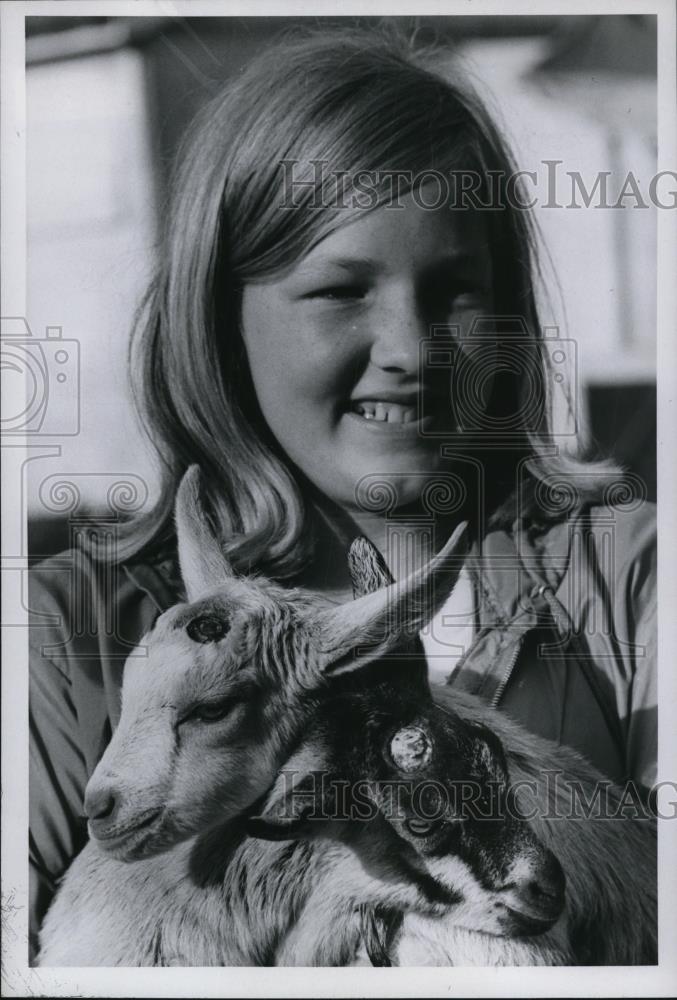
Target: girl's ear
203,565
359,632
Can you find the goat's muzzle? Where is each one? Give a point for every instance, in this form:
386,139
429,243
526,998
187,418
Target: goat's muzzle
116,830
535,902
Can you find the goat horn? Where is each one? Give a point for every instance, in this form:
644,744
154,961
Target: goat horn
203,564
375,623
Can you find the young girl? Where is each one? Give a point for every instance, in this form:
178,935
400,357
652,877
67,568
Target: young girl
342,332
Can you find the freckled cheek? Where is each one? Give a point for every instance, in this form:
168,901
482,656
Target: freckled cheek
300,368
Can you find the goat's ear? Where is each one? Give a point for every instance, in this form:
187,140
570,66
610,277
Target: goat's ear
284,816
294,807
361,631
203,565
367,567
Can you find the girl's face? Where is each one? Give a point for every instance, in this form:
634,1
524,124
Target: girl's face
336,353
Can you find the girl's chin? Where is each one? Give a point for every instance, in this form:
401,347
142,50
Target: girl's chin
385,488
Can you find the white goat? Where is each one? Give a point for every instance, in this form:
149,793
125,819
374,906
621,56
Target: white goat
248,677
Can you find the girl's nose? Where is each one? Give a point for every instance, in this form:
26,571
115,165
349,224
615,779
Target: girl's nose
398,330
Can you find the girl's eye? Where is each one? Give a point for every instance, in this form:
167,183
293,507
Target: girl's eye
454,293
338,292
207,628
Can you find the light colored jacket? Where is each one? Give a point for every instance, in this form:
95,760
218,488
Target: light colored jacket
565,643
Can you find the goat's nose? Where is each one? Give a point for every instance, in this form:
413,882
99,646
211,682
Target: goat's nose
544,891
100,803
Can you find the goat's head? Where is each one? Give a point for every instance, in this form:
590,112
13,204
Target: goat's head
214,708
423,798
428,810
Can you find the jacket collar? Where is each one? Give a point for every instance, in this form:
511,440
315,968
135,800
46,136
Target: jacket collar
513,568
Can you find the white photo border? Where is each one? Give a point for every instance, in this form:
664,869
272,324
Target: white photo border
19,979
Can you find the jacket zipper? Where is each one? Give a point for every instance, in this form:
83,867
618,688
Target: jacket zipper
507,671
541,591
546,601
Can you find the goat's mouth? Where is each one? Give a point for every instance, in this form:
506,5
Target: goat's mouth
127,840
519,924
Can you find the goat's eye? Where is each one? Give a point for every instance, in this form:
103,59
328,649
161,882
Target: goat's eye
422,827
212,711
207,628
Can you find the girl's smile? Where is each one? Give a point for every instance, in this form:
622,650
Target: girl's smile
336,345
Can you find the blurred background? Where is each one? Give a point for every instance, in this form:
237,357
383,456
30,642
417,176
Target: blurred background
107,102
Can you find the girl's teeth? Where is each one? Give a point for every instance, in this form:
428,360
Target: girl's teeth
392,413
397,413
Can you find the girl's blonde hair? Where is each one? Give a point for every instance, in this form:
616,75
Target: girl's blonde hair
354,102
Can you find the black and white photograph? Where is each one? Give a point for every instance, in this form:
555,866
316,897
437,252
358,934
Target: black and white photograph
339,365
